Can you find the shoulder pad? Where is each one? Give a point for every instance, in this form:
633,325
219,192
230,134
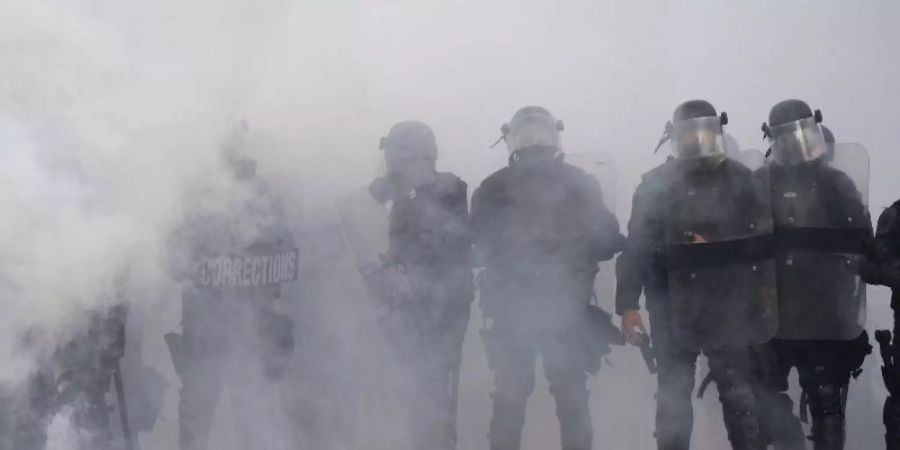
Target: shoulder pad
496,179
451,182
887,222
657,171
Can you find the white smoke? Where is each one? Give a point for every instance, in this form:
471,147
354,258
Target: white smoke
110,111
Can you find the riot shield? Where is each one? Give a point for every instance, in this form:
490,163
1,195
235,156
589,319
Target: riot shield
822,223
721,271
365,224
602,167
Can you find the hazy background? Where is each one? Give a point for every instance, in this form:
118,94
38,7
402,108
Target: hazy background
110,109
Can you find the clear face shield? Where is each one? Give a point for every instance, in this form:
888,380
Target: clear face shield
537,130
797,142
698,138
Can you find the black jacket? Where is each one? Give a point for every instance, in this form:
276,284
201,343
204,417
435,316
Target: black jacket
540,228
661,202
638,268
429,228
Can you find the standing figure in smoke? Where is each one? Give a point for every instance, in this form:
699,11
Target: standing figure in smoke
821,226
696,247
540,228
72,383
884,269
237,332
430,270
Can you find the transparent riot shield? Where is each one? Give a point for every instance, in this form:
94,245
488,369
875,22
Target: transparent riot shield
721,272
365,225
822,222
602,166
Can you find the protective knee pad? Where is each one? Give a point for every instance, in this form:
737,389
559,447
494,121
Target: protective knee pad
826,408
739,408
741,421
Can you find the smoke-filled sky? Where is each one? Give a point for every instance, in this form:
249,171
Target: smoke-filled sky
111,109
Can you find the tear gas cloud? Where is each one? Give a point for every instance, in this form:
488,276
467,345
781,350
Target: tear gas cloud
113,115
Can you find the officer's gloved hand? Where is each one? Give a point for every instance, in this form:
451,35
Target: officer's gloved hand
889,275
869,271
633,327
886,274
382,190
398,285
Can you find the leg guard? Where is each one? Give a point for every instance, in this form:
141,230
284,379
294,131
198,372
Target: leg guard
779,426
826,408
730,370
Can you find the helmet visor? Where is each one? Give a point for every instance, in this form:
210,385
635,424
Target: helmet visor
797,142
536,130
698,138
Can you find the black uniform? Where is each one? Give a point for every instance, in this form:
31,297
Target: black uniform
429,242
643,267
884,269
238,335
824,366
540,227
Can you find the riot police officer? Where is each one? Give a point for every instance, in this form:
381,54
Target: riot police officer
429,249
696,248
237,330
884,269
821,224
540,227
77,375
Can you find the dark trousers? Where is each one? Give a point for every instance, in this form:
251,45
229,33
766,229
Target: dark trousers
236,342
511,355
730,369
824,368
427,341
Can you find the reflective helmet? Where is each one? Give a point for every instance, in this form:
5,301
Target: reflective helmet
696,131
794,133
532,127
410,154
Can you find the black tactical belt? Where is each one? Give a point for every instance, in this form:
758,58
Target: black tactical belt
820,240
720,254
